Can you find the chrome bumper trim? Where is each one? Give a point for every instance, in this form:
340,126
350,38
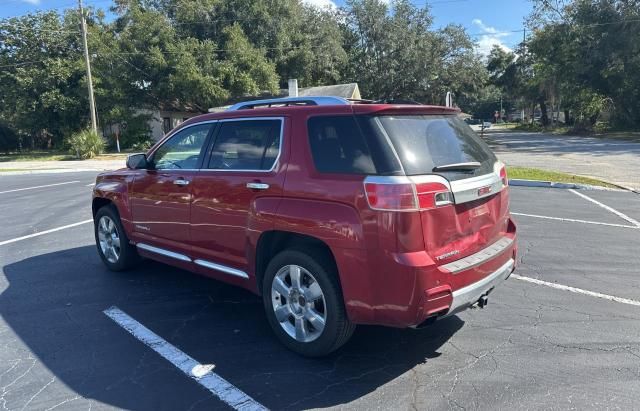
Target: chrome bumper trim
480,257
469,295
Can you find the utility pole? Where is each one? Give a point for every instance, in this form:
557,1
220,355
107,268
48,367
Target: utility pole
92,103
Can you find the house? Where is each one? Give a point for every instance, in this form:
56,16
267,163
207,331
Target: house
169,116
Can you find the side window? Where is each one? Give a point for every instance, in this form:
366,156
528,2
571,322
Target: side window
338,146
182,150
246,145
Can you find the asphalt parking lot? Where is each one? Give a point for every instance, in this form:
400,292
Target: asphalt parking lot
562,333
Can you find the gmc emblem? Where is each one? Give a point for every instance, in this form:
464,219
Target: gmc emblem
484,190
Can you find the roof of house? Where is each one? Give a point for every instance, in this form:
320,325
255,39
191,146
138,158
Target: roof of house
348,91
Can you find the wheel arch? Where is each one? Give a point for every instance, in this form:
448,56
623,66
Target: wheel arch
270,243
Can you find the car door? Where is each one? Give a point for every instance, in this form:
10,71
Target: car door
240,183
161,196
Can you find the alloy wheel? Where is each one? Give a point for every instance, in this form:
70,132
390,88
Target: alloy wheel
298,303
109,239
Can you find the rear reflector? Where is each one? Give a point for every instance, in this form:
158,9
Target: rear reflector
403,194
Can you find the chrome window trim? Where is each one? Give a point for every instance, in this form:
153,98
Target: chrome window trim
163,252
223,268
480,257
257,118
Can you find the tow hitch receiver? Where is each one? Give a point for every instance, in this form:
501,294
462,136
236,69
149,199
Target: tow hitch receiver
483,301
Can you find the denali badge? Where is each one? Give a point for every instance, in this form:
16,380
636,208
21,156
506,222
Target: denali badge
484,190
446,255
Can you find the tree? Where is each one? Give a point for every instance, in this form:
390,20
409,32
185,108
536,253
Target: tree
394,53
42,77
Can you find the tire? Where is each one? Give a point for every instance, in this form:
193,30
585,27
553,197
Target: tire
301,308
117,255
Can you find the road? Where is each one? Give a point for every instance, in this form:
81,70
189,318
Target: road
614,161
537,345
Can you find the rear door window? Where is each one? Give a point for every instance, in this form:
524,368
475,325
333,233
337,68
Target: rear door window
251,145
426,142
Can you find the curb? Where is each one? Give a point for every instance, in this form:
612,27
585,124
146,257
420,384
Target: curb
553,184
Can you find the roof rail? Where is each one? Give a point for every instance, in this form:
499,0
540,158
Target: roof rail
290,101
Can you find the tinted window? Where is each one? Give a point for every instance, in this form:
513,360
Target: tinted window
425,142
182,150
246,145
338,146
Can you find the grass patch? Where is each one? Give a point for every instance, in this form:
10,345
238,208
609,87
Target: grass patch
525,173
56,156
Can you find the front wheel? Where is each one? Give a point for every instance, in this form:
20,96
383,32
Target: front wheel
112,242
304,304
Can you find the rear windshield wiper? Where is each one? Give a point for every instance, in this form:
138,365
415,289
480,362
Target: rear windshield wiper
471,165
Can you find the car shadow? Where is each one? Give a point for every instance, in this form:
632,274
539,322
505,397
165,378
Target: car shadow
54,304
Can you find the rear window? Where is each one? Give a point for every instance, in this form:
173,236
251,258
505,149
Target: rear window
425,142
339,145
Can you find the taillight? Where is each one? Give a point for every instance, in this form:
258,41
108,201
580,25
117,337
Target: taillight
403,194
503,176
399,197
432,195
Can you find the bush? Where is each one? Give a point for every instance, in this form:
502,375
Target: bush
8,139
85,144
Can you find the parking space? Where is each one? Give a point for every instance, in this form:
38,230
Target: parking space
534,346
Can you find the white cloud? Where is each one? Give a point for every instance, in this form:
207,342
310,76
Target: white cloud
34,2
317,3
490,37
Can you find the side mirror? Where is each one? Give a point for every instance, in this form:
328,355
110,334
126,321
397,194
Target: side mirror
138,162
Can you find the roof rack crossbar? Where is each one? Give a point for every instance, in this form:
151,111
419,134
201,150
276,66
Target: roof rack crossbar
290,101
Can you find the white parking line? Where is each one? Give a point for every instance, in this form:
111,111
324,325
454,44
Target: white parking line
53,230
33,188
577,290
217,385
606,207
573,220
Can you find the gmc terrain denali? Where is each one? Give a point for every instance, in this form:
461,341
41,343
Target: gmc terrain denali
337,212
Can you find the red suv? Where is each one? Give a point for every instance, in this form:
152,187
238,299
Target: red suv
336,212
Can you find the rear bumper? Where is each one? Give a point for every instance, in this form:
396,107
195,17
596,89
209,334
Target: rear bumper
411,290
469,295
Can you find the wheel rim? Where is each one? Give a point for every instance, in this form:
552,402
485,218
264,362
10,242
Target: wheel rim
109,239
298,303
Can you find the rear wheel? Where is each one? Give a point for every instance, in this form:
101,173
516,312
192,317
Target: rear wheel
304,304
112,242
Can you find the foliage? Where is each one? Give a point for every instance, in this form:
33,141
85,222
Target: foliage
394,53
42,80
8,139
85,144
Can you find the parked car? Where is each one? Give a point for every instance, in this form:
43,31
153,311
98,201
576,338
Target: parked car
336,213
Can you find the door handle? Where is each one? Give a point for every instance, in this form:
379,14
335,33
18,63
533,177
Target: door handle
257,186
181,182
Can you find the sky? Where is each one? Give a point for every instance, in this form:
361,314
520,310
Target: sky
489,22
